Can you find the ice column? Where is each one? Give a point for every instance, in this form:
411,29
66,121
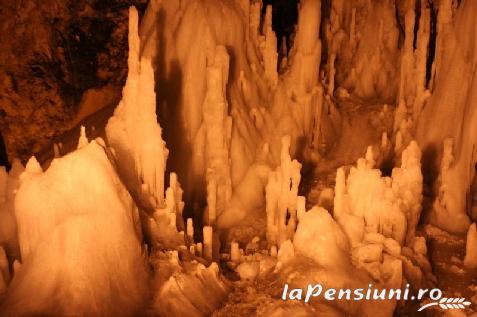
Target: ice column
218,126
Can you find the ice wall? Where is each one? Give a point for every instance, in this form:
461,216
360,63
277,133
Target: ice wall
79,237
450,113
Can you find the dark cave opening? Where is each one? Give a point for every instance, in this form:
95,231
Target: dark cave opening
3,154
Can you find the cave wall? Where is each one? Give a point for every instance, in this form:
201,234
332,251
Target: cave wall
51,53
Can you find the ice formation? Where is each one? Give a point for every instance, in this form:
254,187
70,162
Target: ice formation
282,198
244,123
142,162
453,99
78,231
365,202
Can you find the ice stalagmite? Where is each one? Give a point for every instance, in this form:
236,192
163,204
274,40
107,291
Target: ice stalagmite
306,51
445,213
133,132
79,237
365,202
282,197
270,55
217,127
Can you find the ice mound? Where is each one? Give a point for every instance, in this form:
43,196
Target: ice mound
318,229
79,239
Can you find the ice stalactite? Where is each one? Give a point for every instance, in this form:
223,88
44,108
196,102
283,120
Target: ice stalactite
282,198
135,119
